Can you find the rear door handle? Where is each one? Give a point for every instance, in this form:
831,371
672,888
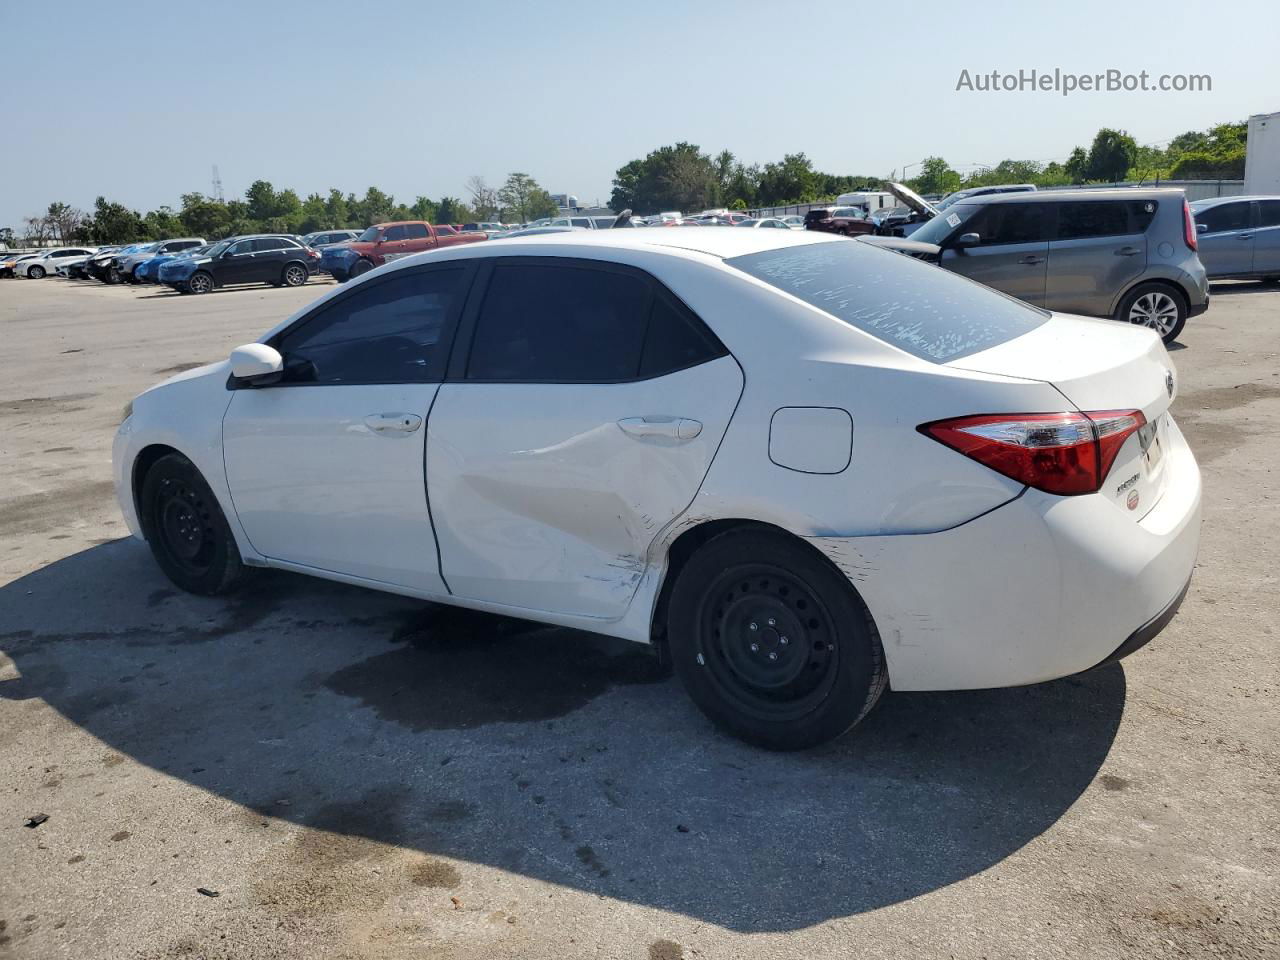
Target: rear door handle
1032,260
387,424
1244,236
1128,251
673,428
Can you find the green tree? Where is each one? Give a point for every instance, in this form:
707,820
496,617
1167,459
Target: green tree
523,199
450,210
793,180
202,216
1077,165
336,211
314,215
261,197
936,176
424,209
162,224
114,223
1110,156
541,205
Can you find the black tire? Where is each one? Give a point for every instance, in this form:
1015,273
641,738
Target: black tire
35,273
1156,295
186,529
1270,281
339,275
359,268
199,282
772,642
293,275
112,276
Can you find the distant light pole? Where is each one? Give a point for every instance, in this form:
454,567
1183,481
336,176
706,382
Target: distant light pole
909,166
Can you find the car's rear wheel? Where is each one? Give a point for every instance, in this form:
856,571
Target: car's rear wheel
200,282
295,275
360,267
772,642
36,272
1157,306
186,529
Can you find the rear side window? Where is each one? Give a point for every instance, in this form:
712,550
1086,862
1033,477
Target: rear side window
398,232
570,323
930,313
1270,211
269,243
1002,223
416,231
1226,216
1107,218
385,332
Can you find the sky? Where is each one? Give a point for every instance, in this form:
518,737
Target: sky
138,101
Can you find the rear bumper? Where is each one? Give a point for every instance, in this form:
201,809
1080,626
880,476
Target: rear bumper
1040,588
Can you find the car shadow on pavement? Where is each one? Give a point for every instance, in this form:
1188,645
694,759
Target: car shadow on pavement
544,752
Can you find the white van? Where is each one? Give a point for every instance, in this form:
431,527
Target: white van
869,200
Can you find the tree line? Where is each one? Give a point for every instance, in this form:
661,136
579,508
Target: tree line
682,177
264,209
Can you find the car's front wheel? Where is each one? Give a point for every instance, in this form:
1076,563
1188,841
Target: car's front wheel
294,275
36,272
186,529
359,268
1157,306
200,282
772,641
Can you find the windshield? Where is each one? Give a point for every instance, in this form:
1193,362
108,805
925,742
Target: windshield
369,236
855,212
941,226
218,247
951,198
931,313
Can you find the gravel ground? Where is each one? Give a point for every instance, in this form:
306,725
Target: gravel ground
306,769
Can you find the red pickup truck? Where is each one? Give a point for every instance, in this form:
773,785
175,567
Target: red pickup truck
389,241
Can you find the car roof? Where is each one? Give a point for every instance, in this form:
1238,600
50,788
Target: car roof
1214,201
1066,196
722,243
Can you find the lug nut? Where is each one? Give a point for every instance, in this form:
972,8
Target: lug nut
773,654
753,626
773,622
755,648
783,640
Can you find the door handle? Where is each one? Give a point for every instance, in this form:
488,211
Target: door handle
673,428
1032,260
1244,236
1128,252
392,423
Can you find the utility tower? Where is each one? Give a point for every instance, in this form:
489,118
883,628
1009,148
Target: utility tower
217,184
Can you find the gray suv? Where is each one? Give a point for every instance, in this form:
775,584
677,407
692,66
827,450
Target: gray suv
1125,254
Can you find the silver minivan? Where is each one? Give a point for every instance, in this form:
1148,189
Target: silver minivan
1239,237
1125,254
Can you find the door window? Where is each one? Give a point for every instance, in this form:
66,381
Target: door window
1270,210
263,244
1107,218
244,246
386,332
1226,216
416,231
398,232
1001,223
579,324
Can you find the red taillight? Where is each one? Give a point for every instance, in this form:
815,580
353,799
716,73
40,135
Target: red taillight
313,254
1062,453
1188,226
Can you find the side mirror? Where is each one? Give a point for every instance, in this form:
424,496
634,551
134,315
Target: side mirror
966,240
256,364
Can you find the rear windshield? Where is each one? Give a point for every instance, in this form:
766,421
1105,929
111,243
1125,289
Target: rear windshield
929,312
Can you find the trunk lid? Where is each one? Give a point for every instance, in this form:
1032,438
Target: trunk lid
1100,365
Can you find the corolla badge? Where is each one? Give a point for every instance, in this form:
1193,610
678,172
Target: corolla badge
1168,382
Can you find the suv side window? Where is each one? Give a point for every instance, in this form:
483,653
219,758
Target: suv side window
243,246
1001,223
1225,216
1101,218
416,231
268,243
387,332
1270,210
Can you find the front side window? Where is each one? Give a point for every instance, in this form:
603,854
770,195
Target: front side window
244,246
386,332
416,231
1106,218
930,313
1004,223
1225,216
581,222
1270,210
370,235
398,232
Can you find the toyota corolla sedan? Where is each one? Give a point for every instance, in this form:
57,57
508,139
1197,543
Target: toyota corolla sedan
803,469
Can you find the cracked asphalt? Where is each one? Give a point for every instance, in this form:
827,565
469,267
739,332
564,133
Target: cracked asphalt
305,769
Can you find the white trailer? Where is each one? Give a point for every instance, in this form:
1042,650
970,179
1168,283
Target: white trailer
1262,158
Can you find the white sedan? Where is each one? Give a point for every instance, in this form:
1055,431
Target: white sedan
48,262
803,468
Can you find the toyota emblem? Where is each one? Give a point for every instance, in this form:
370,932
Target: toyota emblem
1168,382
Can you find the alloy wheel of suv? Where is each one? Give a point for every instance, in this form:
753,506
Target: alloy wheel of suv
294,275
200,283
36,273
1155,306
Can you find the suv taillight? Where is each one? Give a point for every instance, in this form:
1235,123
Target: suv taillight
1188,226
1062,453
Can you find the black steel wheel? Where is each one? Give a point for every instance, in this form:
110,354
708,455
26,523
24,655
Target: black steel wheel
186,529
772,641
